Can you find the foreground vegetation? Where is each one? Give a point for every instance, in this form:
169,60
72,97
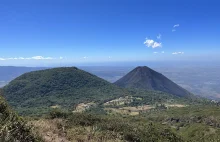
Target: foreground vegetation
200,122
189,124
82,127
193,123
12,127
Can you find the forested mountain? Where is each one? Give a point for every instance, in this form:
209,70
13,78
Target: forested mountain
148,79
64,87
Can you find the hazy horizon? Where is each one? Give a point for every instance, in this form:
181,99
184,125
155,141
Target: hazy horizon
124,64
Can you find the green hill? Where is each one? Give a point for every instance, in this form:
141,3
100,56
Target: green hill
148,79
37,91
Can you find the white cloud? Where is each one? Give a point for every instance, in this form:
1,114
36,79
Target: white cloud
149,42
85,57
156,44
162,52
28,58
155,52
41,58
177,25
176,53
2,59
152,43
159,36
61,58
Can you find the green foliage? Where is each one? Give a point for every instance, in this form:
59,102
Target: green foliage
97,110
12,127
128,128
152,97
58,113
193,123
200,132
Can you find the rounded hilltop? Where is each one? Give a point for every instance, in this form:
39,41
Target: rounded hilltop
65,86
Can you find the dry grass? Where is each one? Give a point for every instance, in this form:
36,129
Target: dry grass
84,106
138,108
175,105
130,110
114,110
91,134
50,130
54,131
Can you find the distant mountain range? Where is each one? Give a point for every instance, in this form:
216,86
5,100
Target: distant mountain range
148,79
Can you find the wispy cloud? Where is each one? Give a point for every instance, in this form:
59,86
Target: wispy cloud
176,53
162,52
85,57
159,36
28,58
174,27
152,43
177,25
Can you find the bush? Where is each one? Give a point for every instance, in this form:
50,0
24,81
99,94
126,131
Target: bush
58,113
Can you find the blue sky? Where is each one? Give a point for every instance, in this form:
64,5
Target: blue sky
46,32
